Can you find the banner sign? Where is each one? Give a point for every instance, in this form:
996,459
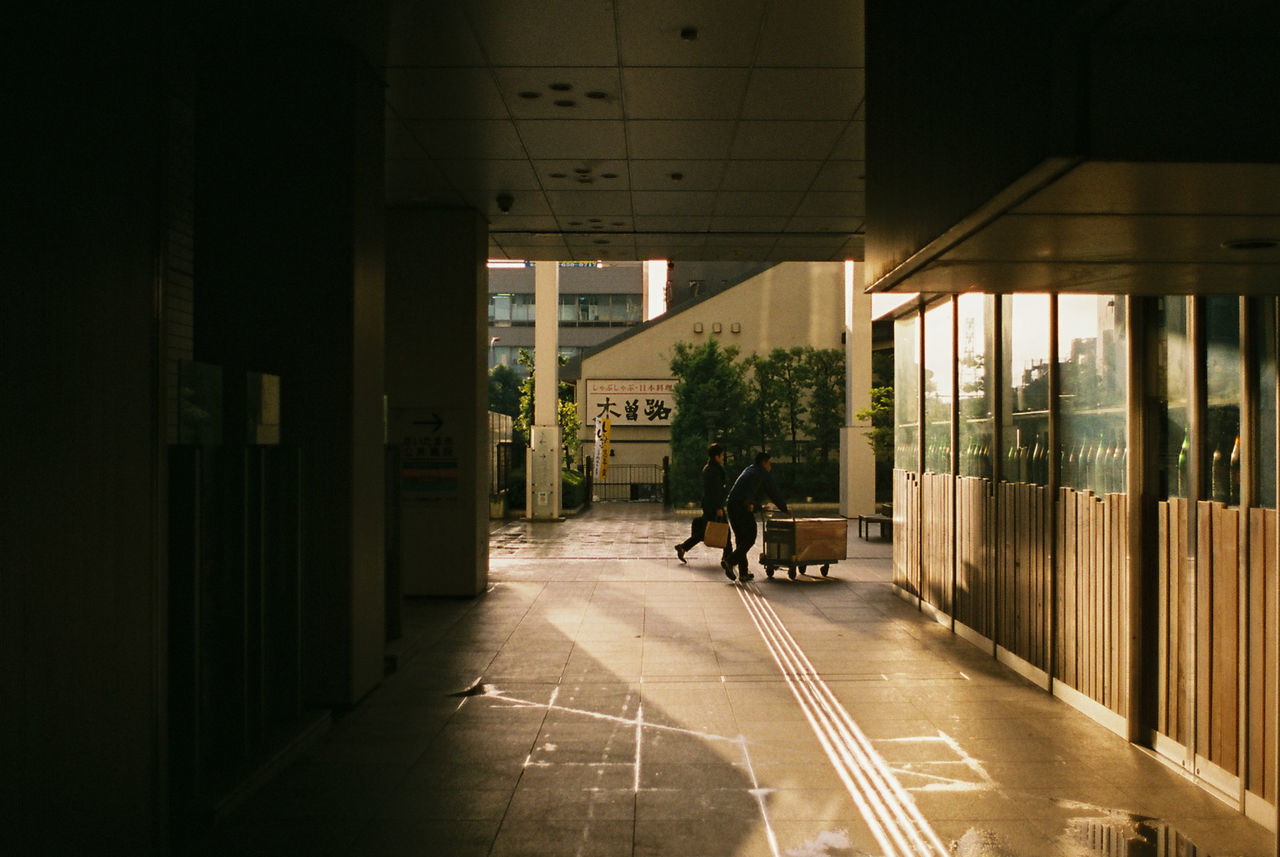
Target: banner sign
649,402
600,466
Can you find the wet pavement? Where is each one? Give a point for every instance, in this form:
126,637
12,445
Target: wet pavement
603,699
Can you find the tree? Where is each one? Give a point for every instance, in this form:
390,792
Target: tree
826,400
763,420
793,388
880,413
504,390
709,395
566,411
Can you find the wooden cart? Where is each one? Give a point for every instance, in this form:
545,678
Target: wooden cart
797,543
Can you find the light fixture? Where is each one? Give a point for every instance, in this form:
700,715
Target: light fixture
506,263
736,327
715,328
1250,244
697,327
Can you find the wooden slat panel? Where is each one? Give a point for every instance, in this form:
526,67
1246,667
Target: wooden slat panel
1226,639
1121,624
1162,606
1071,607
1255,700
1181,619
1204,577
1269,635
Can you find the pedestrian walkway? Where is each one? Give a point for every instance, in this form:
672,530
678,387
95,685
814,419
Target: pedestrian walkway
602,699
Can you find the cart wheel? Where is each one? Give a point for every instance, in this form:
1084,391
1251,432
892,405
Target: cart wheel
824,570
804,569
791,572
768,569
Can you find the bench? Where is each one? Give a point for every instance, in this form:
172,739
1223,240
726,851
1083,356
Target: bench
866,521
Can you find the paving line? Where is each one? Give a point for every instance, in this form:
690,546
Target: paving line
889,811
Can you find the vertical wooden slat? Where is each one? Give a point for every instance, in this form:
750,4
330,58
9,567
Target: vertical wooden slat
1203,595
1256,625
1270,565
1162,618
1181,619
1072,615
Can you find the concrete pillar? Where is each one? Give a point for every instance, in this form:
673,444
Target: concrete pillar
543,462
437,395
857,461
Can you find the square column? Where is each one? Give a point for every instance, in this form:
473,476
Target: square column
437,399
857,459
543,463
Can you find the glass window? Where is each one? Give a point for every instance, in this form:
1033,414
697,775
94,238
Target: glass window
938,394
1222,408
500,310
568,309
1024,415
1093,385
906,393
1170,390
976,398
1262,312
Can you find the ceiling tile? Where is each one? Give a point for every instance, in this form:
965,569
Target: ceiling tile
676,140
694,175
744,223
589,202
550,251
545,139
444,93
683,93
680,239
604,102
567,175
769,175
739,239
819,33
841,176
649,31
758,203
546,33
402,142
467,139
514,223
493,175
853,143
825,224
762,140
526,204
804,93
824,204
831,242
653,202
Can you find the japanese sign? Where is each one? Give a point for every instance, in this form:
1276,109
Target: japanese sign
632,403
428,455
600,466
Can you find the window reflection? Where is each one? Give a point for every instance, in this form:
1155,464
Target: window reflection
906,393
1025,414
938,395
1222,407
975,354
1263,314
1170,390
1093,375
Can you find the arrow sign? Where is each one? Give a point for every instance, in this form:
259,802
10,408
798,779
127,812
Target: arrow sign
435,422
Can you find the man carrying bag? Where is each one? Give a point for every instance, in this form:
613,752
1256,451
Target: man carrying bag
711,527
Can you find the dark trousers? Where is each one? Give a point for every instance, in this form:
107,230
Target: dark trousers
697,531
743,521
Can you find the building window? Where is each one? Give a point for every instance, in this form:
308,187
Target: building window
1025,412
1093,370
1222,407
507,310
906,393
976,397
600,310
938,394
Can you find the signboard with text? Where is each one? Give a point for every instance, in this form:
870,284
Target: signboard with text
650,402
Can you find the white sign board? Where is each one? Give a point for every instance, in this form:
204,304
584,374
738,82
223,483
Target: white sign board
632,403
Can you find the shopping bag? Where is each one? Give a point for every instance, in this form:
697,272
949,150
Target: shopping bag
717,534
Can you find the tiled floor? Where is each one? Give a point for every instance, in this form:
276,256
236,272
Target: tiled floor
603,699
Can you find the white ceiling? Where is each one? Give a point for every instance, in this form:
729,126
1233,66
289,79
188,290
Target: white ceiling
744,143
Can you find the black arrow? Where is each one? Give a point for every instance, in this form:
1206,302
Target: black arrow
435,422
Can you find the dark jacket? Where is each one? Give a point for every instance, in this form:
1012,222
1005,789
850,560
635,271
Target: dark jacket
713,489
753,481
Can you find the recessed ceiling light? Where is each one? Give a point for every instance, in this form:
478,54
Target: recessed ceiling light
675,177
1251,244
582,171
689,34
599,240
529,93
565,102
557,175
619,223
608,175
585,180
595,220
595,93
575,222
562,87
